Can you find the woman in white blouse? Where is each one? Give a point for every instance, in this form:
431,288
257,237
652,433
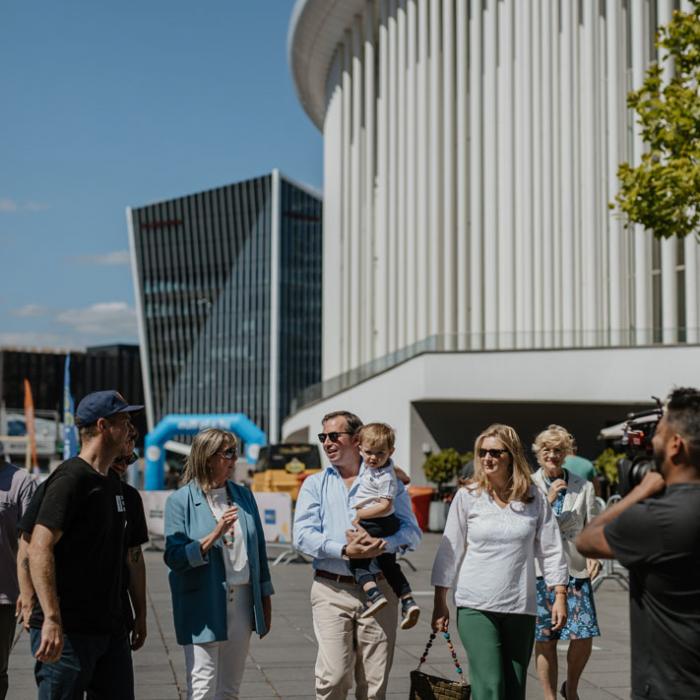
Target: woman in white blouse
498,524
573,501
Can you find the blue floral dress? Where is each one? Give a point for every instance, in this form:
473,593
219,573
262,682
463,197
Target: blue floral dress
581,622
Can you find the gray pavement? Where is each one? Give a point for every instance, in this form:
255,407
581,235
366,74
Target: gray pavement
282,664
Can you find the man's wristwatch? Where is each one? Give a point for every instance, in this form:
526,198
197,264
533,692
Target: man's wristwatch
344,552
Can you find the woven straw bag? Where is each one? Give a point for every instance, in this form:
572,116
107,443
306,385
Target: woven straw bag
427,687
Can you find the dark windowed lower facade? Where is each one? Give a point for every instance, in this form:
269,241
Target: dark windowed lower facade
228,288
94,369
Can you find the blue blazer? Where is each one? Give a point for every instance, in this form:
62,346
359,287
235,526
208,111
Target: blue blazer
198,583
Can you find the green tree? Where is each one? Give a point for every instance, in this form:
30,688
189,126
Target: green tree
441,467
662,193
606,464
467,457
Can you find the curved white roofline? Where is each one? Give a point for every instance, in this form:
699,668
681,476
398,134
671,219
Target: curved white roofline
315,29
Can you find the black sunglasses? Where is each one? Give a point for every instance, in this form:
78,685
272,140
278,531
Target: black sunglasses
333,437
492,453
230,453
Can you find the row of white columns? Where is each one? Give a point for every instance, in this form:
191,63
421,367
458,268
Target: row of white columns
471,150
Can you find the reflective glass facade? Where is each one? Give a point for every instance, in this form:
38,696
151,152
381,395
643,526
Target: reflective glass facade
217,274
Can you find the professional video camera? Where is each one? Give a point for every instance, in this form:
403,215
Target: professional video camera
637,433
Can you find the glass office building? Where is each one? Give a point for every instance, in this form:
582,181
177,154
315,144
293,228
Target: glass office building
228,293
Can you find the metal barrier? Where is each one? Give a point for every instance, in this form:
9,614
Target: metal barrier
609,572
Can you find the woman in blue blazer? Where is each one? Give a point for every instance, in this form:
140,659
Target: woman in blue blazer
219,575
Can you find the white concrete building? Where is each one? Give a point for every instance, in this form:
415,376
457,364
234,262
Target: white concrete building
470,256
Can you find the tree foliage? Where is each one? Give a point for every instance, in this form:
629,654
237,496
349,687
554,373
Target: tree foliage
606,464
441,467
662,193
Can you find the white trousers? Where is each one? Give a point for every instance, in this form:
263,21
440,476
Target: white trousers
215,669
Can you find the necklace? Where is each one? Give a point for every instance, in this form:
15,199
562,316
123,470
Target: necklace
228,537
549,480
502,495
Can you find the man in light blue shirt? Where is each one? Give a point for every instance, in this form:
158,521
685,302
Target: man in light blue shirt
323,530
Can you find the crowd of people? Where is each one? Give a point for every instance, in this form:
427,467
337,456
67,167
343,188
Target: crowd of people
518,554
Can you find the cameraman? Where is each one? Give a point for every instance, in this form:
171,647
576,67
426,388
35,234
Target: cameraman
654,531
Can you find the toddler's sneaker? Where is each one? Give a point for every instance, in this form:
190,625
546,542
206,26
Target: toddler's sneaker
409,613
375,601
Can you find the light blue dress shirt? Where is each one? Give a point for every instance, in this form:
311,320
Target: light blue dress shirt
323,515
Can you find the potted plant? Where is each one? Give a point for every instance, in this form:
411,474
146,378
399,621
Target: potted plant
606,465
440,468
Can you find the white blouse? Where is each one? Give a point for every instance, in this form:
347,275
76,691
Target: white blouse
234,552
487,553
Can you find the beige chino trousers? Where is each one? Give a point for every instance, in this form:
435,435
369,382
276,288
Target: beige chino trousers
347,642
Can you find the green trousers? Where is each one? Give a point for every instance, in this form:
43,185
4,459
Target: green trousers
499,646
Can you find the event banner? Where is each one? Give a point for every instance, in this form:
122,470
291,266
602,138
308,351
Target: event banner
275,514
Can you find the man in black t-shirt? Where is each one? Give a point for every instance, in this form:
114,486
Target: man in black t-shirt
134,569
133,572
76,556
655,532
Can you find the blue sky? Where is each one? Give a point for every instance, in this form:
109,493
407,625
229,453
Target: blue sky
113,104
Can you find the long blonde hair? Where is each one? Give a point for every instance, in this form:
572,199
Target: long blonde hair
205,445
519,481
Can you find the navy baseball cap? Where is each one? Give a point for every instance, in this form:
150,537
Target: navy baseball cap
102,404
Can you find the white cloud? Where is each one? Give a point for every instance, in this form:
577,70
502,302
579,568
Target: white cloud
35,206
37,340
113,319
30,311
8,205
116,257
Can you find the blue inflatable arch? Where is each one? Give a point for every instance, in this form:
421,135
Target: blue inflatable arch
174,424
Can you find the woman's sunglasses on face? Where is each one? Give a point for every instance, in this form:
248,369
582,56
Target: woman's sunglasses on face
333,437
496,454
230,453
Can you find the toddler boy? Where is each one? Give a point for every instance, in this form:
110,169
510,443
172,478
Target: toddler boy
374,507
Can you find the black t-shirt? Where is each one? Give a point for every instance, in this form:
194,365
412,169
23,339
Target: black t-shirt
136,526
89,510
26,522
136,534
658,540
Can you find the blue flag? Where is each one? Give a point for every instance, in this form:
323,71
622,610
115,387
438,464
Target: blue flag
70,434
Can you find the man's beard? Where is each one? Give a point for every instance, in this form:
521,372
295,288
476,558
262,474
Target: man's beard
120,447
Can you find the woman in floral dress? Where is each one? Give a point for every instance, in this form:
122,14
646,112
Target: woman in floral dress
573,501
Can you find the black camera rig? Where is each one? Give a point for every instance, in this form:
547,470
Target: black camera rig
637,433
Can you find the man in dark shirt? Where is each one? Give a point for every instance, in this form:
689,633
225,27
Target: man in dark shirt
16,490
655,532
76,556
133,572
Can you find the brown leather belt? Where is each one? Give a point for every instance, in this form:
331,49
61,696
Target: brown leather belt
339,578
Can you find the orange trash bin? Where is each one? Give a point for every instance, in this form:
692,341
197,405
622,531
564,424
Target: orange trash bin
421,496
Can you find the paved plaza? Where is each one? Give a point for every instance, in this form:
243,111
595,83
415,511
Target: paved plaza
282,664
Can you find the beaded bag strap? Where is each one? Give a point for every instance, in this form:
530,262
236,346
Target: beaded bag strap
450,647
